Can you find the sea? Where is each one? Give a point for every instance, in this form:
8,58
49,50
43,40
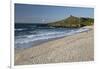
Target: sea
28,35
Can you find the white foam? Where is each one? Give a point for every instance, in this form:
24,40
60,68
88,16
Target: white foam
48,35
20,29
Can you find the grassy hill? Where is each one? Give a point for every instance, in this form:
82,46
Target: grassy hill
73,21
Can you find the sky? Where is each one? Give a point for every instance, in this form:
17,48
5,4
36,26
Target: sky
27,13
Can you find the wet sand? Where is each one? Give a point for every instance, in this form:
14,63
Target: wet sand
74,48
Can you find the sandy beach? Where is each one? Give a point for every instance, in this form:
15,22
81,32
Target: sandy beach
74,48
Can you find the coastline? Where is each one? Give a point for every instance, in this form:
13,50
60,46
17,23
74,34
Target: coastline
74,48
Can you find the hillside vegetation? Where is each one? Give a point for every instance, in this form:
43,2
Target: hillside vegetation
73,21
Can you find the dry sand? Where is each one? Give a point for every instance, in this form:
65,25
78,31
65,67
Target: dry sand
75,48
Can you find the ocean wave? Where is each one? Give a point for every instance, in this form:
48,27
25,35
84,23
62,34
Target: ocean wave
47,35
21,29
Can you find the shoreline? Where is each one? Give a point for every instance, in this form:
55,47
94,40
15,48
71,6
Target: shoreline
38,42
59,50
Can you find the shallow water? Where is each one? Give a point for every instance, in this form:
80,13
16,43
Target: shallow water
28,35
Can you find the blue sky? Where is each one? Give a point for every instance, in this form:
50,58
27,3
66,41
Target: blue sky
25,13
